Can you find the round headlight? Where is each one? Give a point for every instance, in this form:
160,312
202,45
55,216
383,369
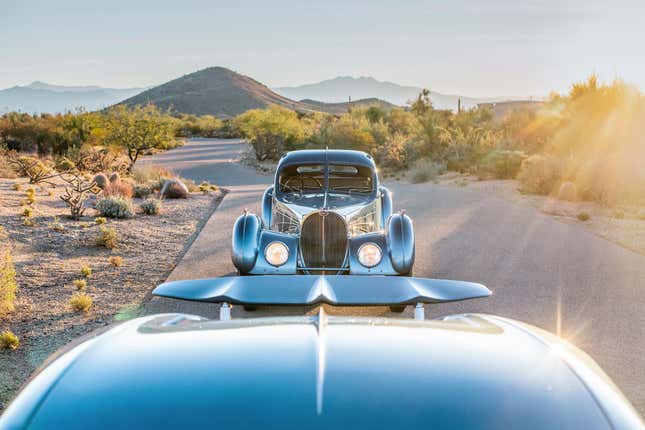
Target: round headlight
369,254
276,253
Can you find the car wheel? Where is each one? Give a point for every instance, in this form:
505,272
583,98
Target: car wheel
397,309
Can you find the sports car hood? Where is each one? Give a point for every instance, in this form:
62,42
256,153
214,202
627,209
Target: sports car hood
176,371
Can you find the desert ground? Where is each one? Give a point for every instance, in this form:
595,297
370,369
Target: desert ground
551,271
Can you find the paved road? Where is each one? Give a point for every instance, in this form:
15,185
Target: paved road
553,275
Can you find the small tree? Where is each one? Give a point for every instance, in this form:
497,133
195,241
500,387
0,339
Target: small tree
76,193
137,130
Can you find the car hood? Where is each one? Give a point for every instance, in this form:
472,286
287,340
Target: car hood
178,371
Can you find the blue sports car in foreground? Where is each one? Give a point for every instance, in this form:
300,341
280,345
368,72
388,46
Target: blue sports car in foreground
466,371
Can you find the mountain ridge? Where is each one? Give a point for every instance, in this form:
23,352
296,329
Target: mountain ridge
339,89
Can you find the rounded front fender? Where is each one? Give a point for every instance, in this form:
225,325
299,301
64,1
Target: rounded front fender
400,240
246,238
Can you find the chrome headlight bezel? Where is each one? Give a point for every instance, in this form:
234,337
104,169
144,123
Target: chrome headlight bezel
369,254
269,255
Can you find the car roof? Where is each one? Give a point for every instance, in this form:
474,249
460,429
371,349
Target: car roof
178,371
334,156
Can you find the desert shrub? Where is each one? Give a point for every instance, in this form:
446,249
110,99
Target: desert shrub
86,271
80,284
539,174
501,164
114,177
568,191
425,170
8,340
99,220
100,180
583,216
151,206
149,174
119,189
115,207
64,164
27,212
174,189
28,222
8,284
142,190
116,261
107,237
16,186
206,187
80,302
270,131
392,155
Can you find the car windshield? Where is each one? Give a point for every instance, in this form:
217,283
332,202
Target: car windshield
310,178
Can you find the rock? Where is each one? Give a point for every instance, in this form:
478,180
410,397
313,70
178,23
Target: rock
174,189
568,191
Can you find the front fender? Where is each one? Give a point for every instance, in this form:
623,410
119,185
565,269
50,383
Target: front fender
400,239
246,238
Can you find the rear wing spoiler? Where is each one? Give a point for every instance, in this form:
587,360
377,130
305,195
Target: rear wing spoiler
339,290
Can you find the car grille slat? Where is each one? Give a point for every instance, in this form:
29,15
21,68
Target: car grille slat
323,240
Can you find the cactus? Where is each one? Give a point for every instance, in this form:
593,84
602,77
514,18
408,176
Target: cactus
101,180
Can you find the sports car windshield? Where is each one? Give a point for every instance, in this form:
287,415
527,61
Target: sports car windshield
310,179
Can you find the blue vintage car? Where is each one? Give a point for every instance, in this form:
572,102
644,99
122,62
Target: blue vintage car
326,213
466,371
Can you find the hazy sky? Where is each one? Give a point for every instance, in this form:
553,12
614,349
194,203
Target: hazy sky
476,47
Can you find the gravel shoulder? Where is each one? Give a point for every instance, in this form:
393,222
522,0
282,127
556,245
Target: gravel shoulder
49,255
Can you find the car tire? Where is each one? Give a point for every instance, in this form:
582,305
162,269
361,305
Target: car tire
397,309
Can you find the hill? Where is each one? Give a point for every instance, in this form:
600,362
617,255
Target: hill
215,91
40,97
338,90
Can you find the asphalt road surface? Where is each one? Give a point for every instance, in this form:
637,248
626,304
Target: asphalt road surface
557,276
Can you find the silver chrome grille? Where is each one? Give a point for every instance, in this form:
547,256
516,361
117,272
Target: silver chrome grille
323,240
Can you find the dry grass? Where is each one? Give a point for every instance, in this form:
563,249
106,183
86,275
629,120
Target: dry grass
86,271
107,237
81,302
8,340
116,261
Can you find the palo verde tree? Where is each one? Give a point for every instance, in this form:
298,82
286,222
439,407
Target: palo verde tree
137,130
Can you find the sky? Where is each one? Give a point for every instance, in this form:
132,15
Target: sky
469,47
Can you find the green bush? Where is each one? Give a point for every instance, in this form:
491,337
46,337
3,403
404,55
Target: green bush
115,207
501,164
425,170
142,191
8,284
151,206
540,174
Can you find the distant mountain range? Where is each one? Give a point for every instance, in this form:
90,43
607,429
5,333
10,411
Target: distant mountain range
224,93
339,90
39,97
